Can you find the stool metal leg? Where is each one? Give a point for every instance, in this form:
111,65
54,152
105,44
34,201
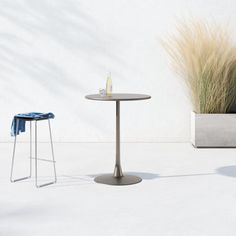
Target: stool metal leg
53,158
13,158
31,148
36,158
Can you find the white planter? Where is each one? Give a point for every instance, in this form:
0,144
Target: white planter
213,130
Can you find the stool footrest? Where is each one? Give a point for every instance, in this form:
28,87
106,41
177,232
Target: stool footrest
42,159
23,178
43,185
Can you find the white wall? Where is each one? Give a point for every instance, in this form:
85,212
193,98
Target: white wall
54,52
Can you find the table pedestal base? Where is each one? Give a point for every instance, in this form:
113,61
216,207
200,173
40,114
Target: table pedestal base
111,180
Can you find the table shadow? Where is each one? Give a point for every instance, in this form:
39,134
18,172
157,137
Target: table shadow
187,175
78,180
144,175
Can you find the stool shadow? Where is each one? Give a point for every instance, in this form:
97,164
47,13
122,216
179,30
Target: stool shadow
72,180
229,171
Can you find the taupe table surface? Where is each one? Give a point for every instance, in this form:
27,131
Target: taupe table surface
117,178
118,97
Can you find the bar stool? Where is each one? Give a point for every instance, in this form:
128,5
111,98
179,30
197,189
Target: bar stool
18,125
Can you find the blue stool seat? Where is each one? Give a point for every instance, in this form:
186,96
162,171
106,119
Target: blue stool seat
18,122
35,116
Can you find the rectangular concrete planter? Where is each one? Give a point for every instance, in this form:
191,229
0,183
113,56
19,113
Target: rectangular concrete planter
213,130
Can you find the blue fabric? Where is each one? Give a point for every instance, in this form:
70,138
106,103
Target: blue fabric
21,123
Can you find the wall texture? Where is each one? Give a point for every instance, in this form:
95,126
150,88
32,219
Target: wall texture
54,52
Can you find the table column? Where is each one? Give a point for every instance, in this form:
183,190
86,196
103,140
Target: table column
118,170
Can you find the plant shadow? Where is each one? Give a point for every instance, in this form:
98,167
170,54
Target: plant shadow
229,171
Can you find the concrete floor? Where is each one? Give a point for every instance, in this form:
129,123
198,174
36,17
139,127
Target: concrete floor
184,191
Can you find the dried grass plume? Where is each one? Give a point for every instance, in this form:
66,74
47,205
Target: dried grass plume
205,58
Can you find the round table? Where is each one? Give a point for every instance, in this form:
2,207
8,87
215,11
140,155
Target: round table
117,178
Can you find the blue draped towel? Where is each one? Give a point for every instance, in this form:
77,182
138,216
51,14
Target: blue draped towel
21,122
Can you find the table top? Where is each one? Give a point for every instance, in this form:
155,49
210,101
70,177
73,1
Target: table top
118,97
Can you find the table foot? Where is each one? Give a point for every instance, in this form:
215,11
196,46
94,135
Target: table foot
111,180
